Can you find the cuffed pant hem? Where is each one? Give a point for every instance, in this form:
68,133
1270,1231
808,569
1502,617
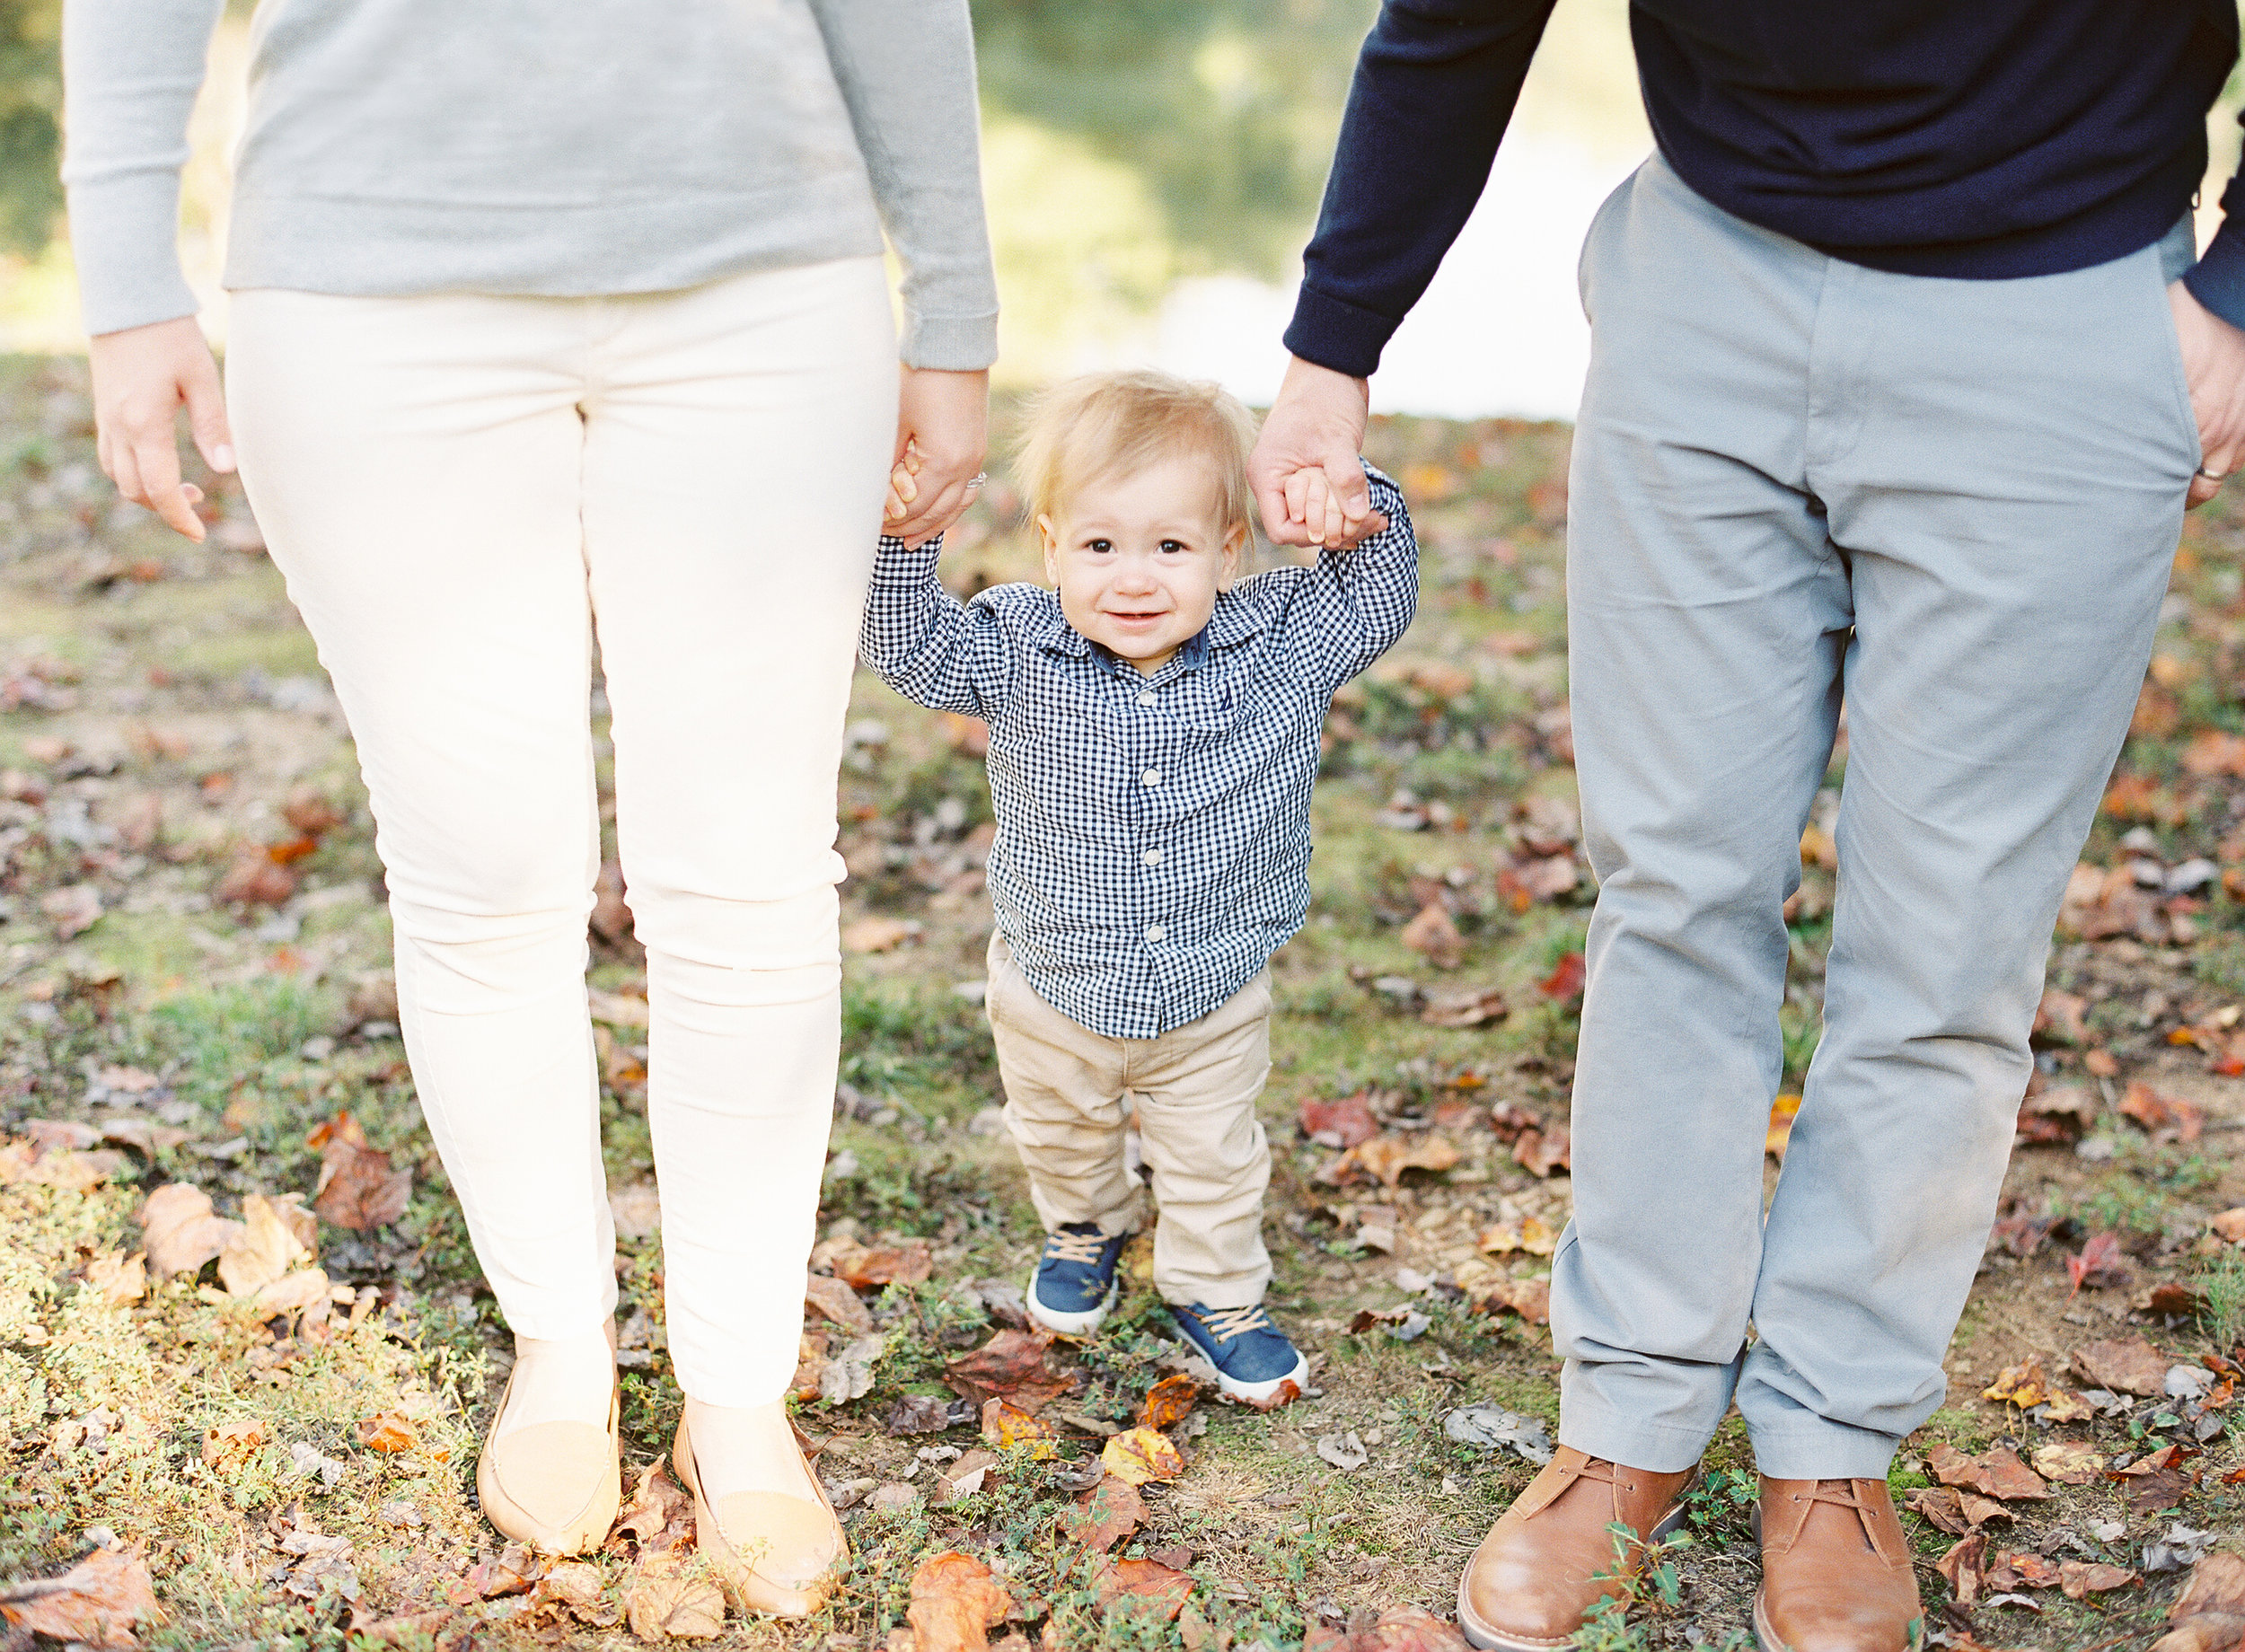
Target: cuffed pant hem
1656,1447
1834,1452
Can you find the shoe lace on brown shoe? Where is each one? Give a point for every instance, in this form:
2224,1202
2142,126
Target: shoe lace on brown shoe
1837,1581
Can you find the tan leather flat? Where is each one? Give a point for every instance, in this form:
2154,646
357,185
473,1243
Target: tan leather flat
774,1554
556,1486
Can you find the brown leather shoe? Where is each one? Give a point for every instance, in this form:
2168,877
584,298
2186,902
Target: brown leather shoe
1836,1569
1534,1576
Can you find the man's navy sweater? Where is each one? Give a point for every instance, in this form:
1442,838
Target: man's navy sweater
1972,139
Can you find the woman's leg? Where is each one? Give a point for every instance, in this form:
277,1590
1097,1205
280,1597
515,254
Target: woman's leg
737,445
415,465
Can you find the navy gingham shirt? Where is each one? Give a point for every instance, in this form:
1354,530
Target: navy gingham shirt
1153,832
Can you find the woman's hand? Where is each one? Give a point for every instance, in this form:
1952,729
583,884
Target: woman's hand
142,377
942,433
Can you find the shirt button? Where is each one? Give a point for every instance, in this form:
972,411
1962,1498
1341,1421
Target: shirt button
1146,697
1152,776
1152,857
1155,932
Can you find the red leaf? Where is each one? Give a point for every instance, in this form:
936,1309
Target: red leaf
1566,978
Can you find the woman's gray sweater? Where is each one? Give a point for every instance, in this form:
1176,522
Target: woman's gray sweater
562,147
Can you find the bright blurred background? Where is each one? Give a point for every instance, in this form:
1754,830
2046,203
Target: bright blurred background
1153,166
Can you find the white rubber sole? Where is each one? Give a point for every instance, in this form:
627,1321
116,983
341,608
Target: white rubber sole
1256,1394
1071,1324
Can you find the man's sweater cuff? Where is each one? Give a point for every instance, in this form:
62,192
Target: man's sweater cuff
124,238
1334,333
2217,280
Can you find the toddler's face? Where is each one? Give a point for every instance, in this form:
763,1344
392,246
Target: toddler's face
1138,559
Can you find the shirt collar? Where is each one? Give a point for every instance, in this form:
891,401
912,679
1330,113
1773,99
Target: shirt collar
1234,621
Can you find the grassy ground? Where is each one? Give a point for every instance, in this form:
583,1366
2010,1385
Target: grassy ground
191,942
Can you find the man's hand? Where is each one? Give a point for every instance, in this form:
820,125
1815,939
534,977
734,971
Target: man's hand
942,433
2214,365
1305,470
142,377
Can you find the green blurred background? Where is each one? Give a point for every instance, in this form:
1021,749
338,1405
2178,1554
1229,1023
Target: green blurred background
1153,169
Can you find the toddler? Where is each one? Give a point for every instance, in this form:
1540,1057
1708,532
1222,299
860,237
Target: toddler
1154,731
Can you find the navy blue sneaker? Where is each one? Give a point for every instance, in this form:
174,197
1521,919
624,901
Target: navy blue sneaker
1074,1285
1252,1357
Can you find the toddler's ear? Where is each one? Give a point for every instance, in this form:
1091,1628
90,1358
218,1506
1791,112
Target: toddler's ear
1229,554
1049,539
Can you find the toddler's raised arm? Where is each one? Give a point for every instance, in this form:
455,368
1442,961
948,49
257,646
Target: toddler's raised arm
927,645
1352,606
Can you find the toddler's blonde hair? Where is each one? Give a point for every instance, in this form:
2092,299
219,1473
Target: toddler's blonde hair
1113,423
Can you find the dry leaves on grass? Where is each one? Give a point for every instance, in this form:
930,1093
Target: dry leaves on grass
2125,1365
1566,981
357,1187
1469,1008
1957,1513
570,1589
1108,1513
273,1237
388,1432
2100,1264
2027,1385
833,1299
955,1602
1137,1455
2209,1615
1016,1366
1997,1473
96,1604
72,910
1348,1121
663,1602
2069,1462
870,1267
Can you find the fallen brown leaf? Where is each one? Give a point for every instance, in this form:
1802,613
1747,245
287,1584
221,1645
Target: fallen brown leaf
1013,1364
955,1603
72,910
1541,1152
1108,1513
1940,1506
228,1446
1997,1473
2016,1569
2024,1385
2165,1117
95,1604
869,1267
1146,1590
265,1248
658,1516
512,1571
255,879
2209,1615
2080,1578
1471,1009
1400,1629
1529,1237
1348,1121
1388,1156
2128,1365
389,1432
1434,936
662,1603
402,1629
1169,1401
2099,1264
1006,1425
182,1233
574,1589
1529,1298
118,1277
357,1189
833,1299
1963,1565
2230,1225
1138,1455
1567,979
2070,1463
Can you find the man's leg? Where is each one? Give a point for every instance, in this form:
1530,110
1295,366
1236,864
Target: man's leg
1706,610
2009,497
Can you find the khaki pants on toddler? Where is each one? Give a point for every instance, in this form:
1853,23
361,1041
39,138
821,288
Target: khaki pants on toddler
1067,1092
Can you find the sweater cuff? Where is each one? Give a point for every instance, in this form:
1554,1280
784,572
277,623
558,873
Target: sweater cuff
124,238
1331,332
951,343
2217,280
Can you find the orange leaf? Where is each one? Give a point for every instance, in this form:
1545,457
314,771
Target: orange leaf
955,1602
95,1604
1108,1513
389,1432
1169,1401
1005,1424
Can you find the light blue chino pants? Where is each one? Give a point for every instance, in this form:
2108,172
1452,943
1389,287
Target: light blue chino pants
1956,502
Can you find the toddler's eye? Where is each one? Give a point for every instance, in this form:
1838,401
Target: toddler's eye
1101,546
1173,545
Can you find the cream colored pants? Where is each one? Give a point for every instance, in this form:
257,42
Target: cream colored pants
461,490
1068,1091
